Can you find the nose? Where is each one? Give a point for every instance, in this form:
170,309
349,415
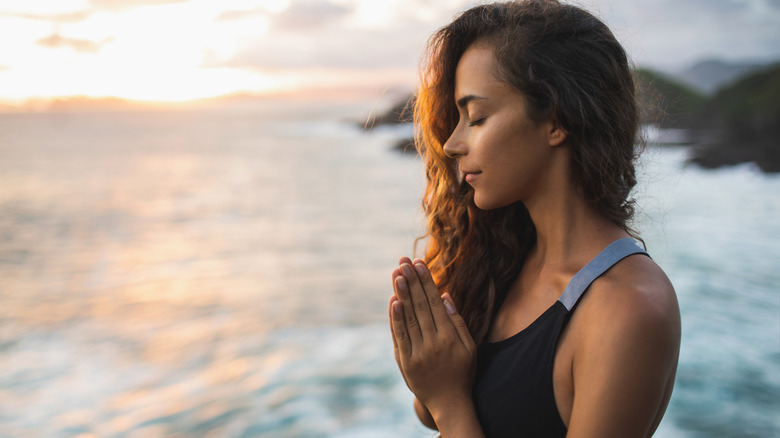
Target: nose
455,146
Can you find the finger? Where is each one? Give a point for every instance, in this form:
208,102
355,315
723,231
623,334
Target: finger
403,260
396,274
459,323
401,287
400,333
396,350
435,303
393,299
419,301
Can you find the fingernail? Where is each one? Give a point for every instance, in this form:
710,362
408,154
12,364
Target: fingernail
419,268
396,307
405,269
401,283
450,308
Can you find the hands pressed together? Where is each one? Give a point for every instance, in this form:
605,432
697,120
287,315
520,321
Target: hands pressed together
433,347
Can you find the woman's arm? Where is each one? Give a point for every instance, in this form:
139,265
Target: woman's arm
424,415
626,356
434,350
463,419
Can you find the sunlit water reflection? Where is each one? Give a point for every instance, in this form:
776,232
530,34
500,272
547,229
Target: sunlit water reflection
227,274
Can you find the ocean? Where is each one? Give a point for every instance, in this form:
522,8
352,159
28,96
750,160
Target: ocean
225,273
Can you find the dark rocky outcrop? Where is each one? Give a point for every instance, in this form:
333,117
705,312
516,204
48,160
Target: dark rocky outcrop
401,112
744,123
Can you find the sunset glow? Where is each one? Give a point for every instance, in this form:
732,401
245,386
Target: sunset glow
179,50
144,53
169,50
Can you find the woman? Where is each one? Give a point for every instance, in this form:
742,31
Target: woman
528,120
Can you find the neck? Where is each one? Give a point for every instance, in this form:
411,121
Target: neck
569,231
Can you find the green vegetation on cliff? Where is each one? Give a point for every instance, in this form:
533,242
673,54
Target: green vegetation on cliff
754,99
739,124
745,121
666,102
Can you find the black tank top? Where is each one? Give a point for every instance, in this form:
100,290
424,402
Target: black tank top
513,390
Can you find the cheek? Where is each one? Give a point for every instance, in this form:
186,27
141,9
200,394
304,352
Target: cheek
505,157
497,148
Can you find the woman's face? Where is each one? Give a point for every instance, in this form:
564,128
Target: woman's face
501,152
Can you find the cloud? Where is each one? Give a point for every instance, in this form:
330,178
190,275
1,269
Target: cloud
232,15
82,15
323,35
71,17
55,41
352,49
673,34
307,15
666,34
115,5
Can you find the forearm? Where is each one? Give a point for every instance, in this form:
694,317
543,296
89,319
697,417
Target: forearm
457,419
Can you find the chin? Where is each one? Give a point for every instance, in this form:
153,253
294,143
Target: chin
488,204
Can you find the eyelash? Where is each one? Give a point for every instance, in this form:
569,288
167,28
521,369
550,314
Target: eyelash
477,122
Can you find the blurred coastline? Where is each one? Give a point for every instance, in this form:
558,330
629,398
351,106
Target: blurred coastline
226,273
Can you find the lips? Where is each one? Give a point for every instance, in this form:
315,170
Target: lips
470,176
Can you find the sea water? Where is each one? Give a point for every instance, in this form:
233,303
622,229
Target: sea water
226,274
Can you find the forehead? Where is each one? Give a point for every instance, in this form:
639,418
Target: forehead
476,73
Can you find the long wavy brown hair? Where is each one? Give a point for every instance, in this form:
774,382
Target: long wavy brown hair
567,64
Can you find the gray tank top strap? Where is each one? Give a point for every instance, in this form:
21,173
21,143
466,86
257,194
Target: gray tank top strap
615,252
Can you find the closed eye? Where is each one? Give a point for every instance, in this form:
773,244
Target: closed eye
477,122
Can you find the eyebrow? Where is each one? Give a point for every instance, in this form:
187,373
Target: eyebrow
463,101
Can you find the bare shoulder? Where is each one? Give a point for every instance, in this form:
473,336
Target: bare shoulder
635,292
626,342
631,311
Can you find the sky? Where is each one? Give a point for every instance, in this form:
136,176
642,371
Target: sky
179,50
